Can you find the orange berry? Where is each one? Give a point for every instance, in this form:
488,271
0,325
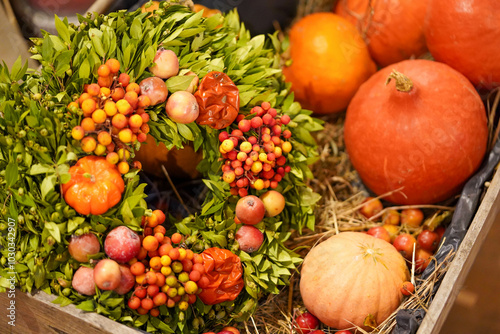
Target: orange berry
113,64
134,302
105,91
160,215
123,167
123,154
153,221
143,101
174,254
88,144
73,106
110,108
155,263
83,97
164,249
135,121
155,312
124,107
144,126
124,79
150,277
137,164
160,279
100,150
89,105
125,135
104,138
150,243
142,254
160,229
132,98
117,94
137,268
176,238
189,254
105,81
99,116
112,158
147,304
286,147
103,70
134,87
119,121
77,132
93,89
159,236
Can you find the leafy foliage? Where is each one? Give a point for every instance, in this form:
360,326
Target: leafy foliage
36,151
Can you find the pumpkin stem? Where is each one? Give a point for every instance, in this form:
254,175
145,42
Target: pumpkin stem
90,176
403,83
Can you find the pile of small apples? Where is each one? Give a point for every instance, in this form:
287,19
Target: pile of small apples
254,154
165,271
250,211
404,230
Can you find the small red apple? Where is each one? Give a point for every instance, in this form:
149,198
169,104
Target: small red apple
165,64
122,244
305,323
250,210
107,274
83,281
81,246
249,238
127,280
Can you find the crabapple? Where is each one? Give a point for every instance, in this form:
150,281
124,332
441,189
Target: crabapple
81,246
83,281
249,238
122,244
182,107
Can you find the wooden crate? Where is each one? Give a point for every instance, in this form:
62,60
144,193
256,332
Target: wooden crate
37,313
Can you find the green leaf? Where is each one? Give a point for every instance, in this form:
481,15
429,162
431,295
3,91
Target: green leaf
185,131
11,174
53,230
48,184
177,83
88,306
62,29
84,70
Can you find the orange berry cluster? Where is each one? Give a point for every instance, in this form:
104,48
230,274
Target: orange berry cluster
254,154
166,273
114,116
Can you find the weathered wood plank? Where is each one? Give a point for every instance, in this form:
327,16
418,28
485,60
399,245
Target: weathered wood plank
454,278
37,314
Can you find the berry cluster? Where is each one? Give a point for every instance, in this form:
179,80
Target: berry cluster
406,231
254,154
114,115
166,273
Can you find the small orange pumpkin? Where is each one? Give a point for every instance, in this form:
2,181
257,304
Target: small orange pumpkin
95,186
352,278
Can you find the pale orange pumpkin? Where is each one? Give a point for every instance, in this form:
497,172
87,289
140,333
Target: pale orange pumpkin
352,277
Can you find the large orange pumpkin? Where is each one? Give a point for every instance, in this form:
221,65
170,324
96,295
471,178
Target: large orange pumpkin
466,35
329,62
352,276
425,132
95,186
392,29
